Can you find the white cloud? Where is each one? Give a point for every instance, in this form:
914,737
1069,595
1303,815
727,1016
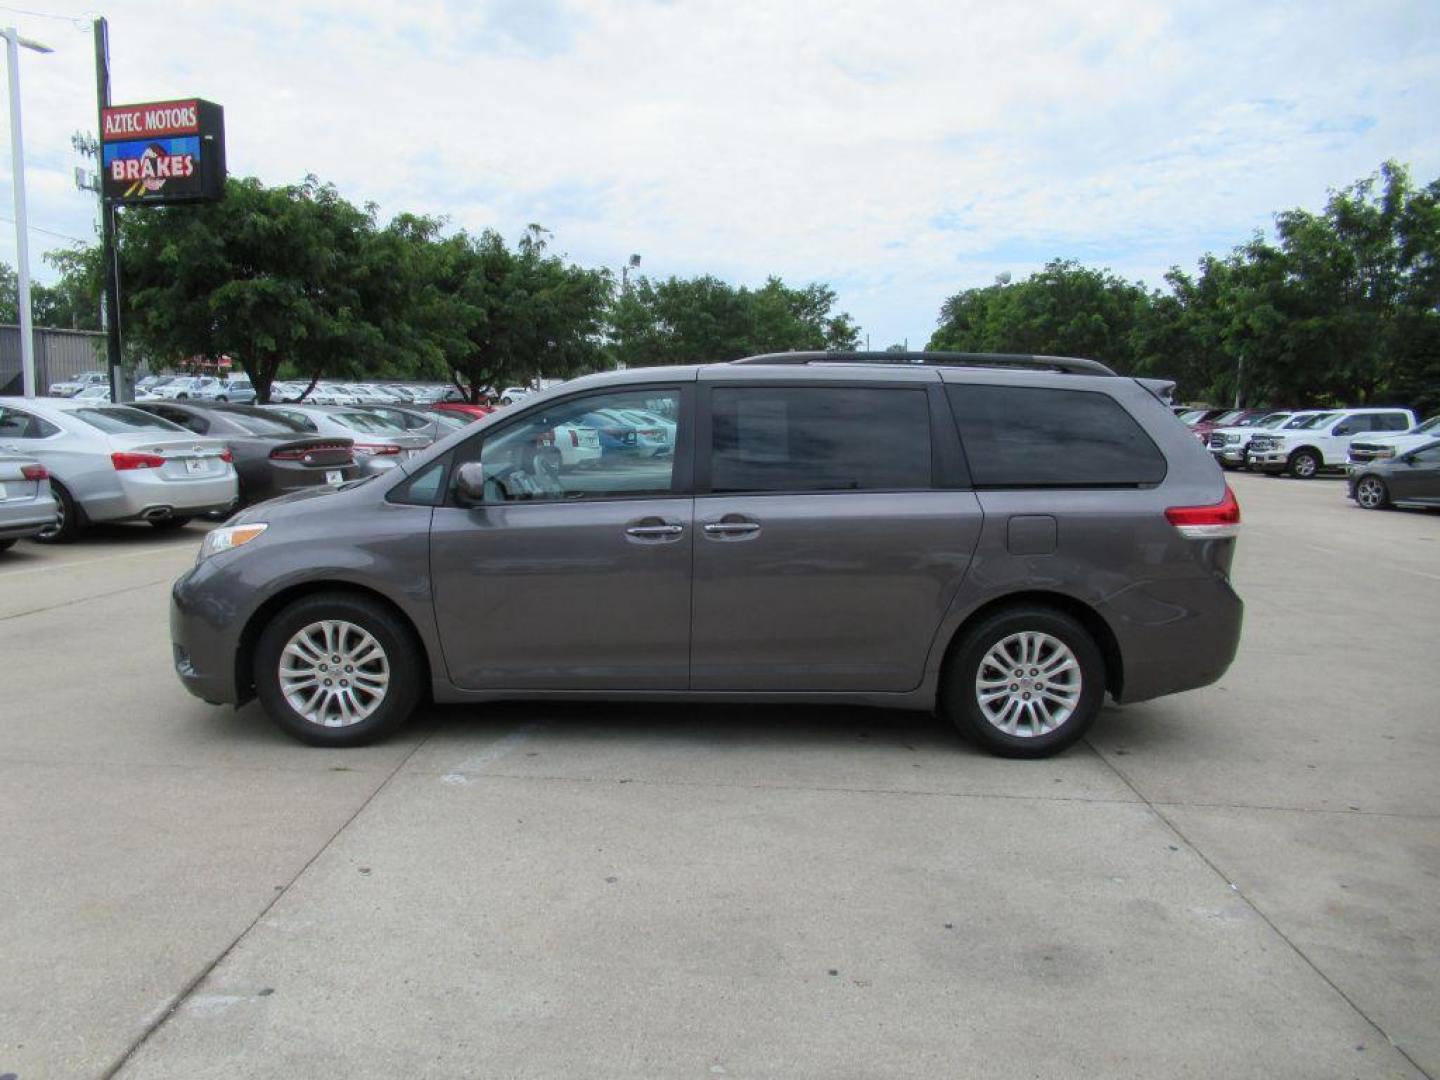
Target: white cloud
900,149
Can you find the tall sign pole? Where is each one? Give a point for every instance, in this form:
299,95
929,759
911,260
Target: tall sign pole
22,228
111,306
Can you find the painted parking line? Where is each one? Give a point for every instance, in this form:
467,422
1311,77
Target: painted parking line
88,562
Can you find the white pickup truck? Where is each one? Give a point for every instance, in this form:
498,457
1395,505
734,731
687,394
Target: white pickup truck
1383,447
1323,441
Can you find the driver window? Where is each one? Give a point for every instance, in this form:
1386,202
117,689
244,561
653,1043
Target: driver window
612,445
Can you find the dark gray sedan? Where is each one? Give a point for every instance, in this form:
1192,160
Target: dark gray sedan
27,505
272,454
1411,479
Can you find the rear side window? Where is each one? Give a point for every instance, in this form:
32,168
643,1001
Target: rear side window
1392,422
819,438
1023,436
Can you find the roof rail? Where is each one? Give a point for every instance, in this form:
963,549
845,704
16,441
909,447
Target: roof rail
1068,364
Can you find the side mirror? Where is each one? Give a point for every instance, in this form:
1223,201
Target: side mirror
470,483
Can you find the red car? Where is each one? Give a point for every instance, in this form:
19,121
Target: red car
1233,418
463,408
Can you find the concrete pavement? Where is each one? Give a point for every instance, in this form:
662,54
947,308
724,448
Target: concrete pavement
1236,881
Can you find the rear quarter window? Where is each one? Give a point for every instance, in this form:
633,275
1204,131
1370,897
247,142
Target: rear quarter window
1026,437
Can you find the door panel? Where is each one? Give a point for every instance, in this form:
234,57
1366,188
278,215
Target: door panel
548,595
838,591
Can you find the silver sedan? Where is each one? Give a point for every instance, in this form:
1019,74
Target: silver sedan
27,505
114,463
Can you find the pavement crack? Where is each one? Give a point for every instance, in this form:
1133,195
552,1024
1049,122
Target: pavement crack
195,983
1155,808
87,598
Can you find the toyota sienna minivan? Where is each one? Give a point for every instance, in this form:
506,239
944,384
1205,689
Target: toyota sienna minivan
1001,539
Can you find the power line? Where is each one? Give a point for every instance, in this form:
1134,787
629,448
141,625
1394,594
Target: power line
51,232
78,21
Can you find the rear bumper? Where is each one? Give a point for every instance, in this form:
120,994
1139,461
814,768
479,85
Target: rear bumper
1188,640
21,519
141,496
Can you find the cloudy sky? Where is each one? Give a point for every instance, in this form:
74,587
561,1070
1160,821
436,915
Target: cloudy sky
897,149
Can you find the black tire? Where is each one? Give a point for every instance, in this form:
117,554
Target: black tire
6,545
406,668
1303,464
169,524
222,399
182,397
69,525
1228,466
959,696
1371,493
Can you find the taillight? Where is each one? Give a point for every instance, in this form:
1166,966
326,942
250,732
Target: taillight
1214,522
574,437
377,449
34,472
125,459
226,455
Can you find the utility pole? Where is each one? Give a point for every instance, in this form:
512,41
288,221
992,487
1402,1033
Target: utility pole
1239,378
110,309
13,41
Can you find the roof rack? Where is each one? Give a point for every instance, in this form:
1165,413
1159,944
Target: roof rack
1068,364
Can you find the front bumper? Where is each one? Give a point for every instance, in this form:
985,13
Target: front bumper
204,639
1269,460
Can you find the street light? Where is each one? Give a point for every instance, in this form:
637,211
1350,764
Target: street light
13,43
632,263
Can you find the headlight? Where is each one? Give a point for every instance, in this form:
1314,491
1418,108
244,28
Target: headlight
229,538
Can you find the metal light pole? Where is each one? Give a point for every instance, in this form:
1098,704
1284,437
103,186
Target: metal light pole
13,43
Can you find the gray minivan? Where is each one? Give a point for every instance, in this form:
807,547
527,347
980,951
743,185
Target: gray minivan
1003,539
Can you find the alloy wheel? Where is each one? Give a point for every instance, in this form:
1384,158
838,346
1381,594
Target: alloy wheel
334,673
1370,493
1028,684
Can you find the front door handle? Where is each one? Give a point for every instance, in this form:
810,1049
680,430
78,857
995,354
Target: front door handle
653,530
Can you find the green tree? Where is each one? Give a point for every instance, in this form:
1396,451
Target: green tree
288,276
491,316
1063,310
705,320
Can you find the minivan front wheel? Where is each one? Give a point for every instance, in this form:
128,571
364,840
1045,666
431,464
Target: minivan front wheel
1026,682
336,669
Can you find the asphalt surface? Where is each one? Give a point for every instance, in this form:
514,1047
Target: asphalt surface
1240,881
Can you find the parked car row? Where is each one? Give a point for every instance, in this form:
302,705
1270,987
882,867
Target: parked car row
1387,457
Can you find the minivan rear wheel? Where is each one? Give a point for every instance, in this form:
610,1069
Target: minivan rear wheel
337,669
1026,682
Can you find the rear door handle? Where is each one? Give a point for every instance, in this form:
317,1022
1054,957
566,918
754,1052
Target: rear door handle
732,528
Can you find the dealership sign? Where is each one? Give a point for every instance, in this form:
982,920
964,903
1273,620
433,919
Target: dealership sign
163,152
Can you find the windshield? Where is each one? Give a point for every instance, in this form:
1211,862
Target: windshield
1229,418
1193,416
1312,421
1433,424
118,420
1274,420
